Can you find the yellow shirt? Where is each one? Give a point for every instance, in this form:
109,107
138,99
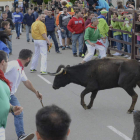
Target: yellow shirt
38,29
67,5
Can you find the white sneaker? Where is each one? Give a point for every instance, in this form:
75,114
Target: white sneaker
129,57
117,54
126,56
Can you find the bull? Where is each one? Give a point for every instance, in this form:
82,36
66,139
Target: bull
100,74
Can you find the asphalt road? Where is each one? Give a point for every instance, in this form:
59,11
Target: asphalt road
107,120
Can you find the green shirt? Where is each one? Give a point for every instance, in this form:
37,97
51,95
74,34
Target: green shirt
4,103
129,28
92,35
115,26
122,27
103,27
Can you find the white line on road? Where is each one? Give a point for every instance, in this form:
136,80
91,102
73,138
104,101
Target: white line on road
119,133
45,79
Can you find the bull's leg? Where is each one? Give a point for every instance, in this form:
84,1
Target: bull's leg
86,91
138,83
134,96
93,95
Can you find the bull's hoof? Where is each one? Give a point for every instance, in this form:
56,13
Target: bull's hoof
129,111
89,107
85,107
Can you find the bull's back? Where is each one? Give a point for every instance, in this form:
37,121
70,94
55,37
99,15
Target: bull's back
106,72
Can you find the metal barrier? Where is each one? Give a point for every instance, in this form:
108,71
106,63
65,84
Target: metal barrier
134,45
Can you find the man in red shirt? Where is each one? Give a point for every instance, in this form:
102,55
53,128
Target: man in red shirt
76,26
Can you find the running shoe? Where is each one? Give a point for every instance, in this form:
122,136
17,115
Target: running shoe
34,70
43,73
26,137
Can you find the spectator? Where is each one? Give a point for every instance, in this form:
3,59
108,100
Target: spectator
52,123
92,34
18,18
15,4
76,26
50,25
15,74
64,3
130,6
39,34
136,118
3,41
125,35
101,4
9,14
35,13
46,12
103,28
128,26
138,30
120,3
130,2
4,18
116,35
84,14
28,20
64,19
92,4
5,88
90,16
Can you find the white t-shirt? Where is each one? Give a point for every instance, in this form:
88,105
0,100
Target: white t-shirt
15,75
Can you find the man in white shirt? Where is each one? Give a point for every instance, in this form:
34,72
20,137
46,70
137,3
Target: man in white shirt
15,74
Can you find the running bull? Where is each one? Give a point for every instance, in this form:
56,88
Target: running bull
100,74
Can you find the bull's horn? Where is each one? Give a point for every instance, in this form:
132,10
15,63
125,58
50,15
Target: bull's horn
54,74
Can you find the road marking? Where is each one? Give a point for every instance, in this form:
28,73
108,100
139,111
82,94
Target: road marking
45,79
119,133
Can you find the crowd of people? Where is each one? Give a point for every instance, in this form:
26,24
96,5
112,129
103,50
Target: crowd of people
85,21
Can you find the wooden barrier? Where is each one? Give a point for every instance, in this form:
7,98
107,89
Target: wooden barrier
134,33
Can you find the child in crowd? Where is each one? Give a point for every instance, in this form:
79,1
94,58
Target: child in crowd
138,30
128,26
116,35
125,35
84,12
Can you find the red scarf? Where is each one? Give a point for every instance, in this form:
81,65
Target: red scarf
2,77
90,25
20,64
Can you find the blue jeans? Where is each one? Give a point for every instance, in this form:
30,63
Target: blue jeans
66,33
17,25
52,34
28,28
129,39
125,39
113,43
18,119
138,42
119,45
80,38
9,43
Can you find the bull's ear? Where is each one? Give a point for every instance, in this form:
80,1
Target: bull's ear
65,72
67,66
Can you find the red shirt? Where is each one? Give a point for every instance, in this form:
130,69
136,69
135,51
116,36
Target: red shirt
76,25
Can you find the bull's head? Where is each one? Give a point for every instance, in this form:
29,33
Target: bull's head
61,77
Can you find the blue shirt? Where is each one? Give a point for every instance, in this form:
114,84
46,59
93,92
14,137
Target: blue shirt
35,14
29,19
50,23
102,4
4,48
18,17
